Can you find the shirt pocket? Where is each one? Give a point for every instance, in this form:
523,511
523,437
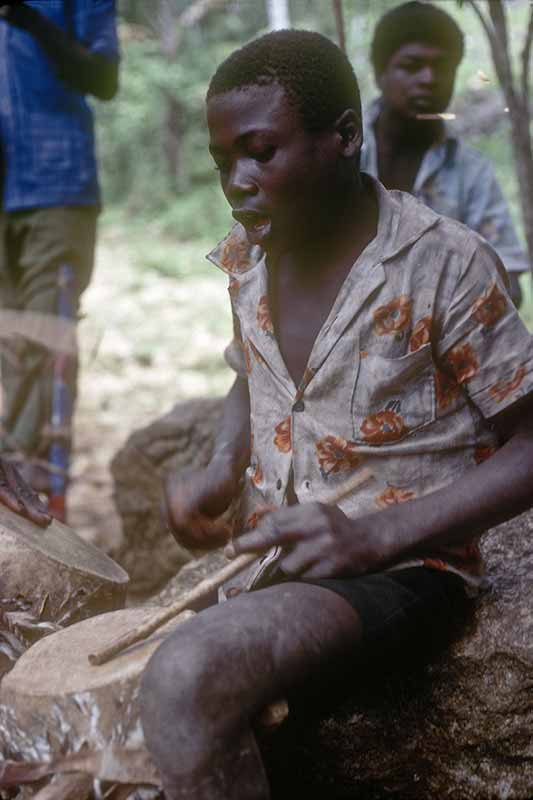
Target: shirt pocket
393,397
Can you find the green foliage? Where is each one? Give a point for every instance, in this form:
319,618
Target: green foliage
159,97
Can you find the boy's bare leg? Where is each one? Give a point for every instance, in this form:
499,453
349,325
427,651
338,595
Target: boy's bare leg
207,682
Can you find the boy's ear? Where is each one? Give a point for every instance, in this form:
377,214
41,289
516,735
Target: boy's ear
349,129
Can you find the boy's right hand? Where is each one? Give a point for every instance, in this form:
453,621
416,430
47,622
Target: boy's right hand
192,502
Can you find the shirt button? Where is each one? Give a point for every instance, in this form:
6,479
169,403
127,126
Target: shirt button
279,484
299,406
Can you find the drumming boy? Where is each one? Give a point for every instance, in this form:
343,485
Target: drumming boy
349,351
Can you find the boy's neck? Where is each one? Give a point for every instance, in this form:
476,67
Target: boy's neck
396,133
349,227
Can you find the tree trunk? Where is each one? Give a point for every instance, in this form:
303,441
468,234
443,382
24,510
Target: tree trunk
516,93
278,14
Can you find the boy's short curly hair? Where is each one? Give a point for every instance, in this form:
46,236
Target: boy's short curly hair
415,22
315,74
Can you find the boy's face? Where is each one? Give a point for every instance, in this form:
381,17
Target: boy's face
275,174
418,79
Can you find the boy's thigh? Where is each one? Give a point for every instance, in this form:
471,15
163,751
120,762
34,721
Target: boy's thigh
412,610
44,239
258,646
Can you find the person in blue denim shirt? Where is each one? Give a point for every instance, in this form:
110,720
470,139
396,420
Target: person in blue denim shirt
52,54
415,53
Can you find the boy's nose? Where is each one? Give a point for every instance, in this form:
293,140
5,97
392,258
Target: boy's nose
239,183
427,75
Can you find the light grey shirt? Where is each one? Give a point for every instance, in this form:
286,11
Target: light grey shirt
457,181
421,347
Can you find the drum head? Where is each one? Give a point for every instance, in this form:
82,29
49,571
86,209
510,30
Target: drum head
59,543
58,665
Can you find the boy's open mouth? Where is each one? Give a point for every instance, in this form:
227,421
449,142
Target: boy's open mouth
257,225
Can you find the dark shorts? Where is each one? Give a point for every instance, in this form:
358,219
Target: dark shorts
405,604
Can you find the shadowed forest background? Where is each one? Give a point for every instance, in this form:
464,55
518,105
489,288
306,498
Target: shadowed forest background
156,317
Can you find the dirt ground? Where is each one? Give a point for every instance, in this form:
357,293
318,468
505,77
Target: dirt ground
146,341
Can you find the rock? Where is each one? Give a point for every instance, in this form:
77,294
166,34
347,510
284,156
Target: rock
458,728
479,112
183,439
189,576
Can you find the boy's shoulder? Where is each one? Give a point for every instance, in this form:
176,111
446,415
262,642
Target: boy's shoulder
417,224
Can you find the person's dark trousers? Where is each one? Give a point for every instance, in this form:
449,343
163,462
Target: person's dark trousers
33,246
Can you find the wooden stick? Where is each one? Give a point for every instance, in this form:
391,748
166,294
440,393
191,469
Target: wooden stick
74,786
207,586
200,591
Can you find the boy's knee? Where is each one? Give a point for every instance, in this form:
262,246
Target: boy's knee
188,678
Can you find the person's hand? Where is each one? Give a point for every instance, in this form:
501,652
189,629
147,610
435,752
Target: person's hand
192,502
17,495
319,540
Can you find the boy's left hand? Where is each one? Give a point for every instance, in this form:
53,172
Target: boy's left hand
17,495
320,541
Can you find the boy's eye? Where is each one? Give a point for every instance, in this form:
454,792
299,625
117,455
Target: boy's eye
410,66
263,154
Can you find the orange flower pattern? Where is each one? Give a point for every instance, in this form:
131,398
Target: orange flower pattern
393,495
306,378
234,254
233,287
335,454
421,334
481,454
490,306
252,521
393,317
436,563
247,359
257,474
255,518
383,427
257,355
501,390
264,319
283,438
463,362
446,390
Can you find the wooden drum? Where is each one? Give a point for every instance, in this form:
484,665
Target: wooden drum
49,579
60,712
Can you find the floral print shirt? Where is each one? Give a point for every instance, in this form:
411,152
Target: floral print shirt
457,181
421,348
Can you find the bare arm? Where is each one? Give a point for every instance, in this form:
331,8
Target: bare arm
204,494
76,65
486,495
19,497
323,542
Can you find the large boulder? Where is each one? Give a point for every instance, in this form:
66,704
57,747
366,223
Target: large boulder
181,440
458,727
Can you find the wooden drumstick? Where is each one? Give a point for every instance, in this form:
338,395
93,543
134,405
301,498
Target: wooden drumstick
209,584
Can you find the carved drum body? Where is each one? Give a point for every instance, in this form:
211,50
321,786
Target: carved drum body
49,579
58,713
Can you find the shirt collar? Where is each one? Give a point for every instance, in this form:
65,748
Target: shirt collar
433,159
236,257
